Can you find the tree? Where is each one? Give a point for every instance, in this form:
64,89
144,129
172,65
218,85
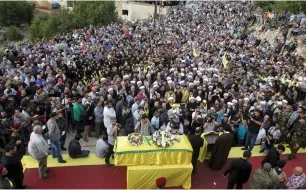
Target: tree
12,34
36,27
15,13
87,13
96,13
279,6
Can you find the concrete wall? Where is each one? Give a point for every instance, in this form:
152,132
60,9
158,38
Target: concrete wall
138,10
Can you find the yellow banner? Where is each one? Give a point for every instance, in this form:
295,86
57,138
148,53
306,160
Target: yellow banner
203,150
225,61
194,52
144,177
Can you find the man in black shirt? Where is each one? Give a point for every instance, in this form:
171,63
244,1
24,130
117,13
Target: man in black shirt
14,166
239,171
273,155
254,124
196,142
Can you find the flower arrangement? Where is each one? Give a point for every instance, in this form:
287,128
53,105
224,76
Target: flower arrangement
164,138
135,139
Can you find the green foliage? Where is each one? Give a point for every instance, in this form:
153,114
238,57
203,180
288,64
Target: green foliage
15,13
279,6
12,34
96,13
84,13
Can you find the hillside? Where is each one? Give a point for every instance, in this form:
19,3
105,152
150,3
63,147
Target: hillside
270,35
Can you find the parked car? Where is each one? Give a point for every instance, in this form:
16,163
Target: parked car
55,5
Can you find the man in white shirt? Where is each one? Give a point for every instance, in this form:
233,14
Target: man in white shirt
108,114
112,131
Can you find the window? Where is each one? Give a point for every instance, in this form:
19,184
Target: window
71,3
125,12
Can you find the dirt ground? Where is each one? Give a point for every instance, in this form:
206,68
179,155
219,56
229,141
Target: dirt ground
40,12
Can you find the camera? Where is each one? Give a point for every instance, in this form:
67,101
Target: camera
174,125
119,125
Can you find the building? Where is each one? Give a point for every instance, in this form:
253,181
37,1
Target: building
133,10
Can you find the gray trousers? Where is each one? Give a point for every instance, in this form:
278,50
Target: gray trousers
42,167
98,128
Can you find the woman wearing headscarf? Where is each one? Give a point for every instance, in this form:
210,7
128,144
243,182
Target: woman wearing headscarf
38,149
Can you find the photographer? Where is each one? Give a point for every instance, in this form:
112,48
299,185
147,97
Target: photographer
198,119
241,129
112,130
199,113
191,106
211,124
9,91
227,126
254,124
174,126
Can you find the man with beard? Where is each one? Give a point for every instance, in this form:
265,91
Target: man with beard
112,131
254,124
108,114
221,150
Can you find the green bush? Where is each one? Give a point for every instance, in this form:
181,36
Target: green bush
12,34
84,14
15,13
279,6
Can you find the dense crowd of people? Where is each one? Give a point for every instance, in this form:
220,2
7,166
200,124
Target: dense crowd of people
195,69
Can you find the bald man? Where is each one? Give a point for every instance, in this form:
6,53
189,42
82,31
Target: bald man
297,180
38,149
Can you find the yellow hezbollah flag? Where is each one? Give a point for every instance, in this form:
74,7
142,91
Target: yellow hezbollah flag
194,52
225,62
272,60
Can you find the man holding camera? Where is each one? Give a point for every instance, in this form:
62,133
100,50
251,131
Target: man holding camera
254,124
113,131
